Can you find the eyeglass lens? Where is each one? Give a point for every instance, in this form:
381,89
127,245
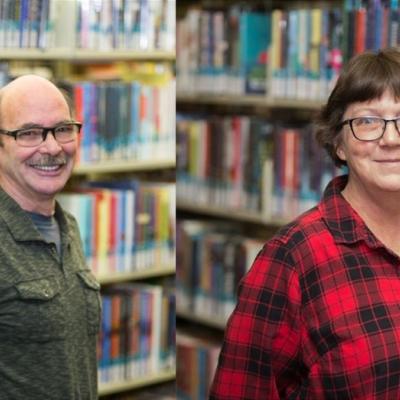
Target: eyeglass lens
34,136
371,128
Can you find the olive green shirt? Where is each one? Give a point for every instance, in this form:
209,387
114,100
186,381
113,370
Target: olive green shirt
49,311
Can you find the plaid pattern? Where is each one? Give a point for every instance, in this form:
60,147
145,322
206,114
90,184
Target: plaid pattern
318,315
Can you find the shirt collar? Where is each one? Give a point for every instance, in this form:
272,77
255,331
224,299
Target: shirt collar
342,220
18,221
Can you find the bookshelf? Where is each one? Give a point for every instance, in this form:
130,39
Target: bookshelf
149,272
113,388
75,55
125,166
243,94
248,100
207,321
115,56
231,214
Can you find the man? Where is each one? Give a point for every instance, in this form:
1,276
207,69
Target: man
49,300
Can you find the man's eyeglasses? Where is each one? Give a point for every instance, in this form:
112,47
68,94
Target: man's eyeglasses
367,129
32,137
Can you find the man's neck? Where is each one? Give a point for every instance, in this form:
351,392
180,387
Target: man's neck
44,205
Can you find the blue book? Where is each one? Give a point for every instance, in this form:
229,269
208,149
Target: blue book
86,121
394,17
120,230
254,41
145,327
201,353
134,132
105,336
85,221
23,24
378,24
92,131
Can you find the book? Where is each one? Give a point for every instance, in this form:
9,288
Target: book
124,120
136,24
130,223
196,363
131,336
210,263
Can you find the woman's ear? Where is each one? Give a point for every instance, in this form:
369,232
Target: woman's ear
339,148
340,153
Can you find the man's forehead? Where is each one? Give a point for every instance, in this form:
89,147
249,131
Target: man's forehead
28,85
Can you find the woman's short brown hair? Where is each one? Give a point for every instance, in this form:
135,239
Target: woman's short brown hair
365,77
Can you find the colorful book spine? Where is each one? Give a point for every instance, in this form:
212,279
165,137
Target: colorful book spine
210,263
223,52
124,121
128,25
132,334
100,25
196,364
125,226
229,161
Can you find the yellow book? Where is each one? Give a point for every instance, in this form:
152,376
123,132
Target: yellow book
316,27
276,40
104,227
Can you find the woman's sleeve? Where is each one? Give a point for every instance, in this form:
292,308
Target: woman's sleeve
260,356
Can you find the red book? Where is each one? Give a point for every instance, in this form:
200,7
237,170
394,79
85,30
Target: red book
385,27
116,332
112,246
78,103
360,30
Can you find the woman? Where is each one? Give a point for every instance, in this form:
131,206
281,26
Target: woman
318,314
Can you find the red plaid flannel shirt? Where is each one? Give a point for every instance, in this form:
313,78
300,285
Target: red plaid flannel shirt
318,314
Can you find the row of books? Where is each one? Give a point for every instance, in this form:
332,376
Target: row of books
251,164
102,25
222,51
220,160
25,23
370,25
125,225
210,263
137,336
196,363
133,24
289,53
306,53
299,172
125,120
309,46
127,111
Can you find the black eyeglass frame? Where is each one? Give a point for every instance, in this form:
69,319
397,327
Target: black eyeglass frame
350,123
45,130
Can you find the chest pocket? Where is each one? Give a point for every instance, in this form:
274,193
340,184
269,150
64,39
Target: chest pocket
32,310
92,299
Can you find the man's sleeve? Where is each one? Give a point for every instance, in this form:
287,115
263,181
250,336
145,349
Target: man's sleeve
260,353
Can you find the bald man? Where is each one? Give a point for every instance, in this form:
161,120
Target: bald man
49,300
